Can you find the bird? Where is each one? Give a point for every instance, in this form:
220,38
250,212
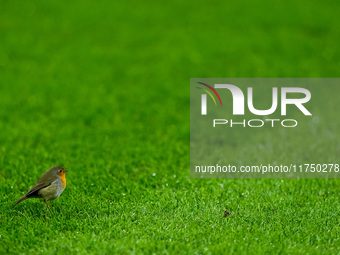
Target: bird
49,186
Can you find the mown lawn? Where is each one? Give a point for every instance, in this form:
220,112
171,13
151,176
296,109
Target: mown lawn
103,90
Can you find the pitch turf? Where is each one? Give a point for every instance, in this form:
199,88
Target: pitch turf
103,89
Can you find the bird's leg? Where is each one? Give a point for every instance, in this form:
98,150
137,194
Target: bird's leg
47,204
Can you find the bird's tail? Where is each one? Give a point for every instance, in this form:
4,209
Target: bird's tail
21,199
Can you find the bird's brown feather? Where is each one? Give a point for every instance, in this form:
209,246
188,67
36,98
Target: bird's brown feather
45,180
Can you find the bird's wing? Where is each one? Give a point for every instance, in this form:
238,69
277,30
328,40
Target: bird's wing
43,182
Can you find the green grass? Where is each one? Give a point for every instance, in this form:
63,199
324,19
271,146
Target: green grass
103,90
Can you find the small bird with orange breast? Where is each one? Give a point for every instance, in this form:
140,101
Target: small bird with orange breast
49,186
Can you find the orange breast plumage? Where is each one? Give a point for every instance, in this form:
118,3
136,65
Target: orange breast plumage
63,179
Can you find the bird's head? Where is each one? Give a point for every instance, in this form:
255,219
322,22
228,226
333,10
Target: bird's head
60,170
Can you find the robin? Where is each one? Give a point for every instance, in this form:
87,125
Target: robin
49,186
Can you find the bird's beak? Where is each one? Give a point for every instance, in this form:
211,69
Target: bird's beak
66,170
